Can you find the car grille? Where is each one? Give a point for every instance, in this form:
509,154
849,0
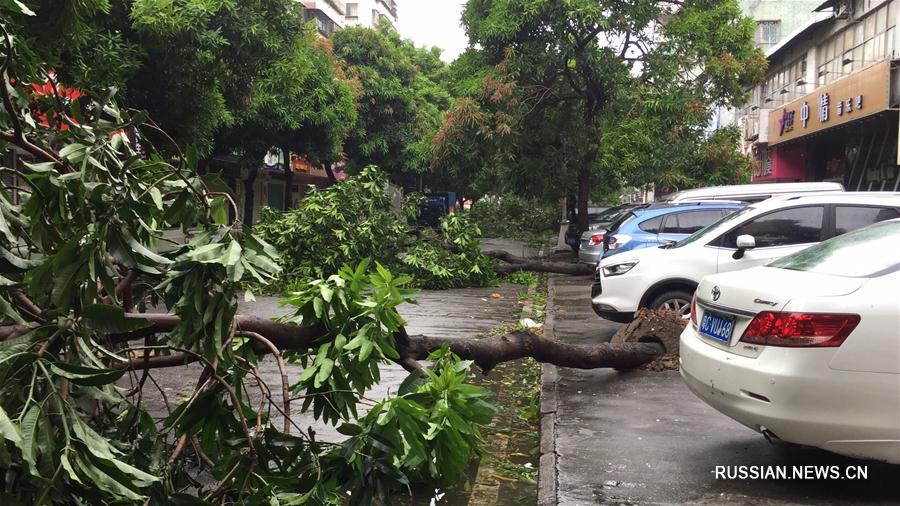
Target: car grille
596,286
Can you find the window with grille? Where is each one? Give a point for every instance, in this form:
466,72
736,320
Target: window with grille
767,32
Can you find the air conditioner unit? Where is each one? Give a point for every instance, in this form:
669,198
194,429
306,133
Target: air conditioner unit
843,10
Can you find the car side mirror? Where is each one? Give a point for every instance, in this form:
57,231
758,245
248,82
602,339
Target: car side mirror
744,242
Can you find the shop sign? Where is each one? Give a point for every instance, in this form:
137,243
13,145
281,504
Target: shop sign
856,96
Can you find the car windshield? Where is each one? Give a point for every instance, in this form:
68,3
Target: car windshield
706,231
859,254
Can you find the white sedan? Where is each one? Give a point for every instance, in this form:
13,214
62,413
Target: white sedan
807,348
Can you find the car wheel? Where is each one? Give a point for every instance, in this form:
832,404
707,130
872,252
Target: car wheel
674,300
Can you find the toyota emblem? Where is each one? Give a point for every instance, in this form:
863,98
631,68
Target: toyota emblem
716,293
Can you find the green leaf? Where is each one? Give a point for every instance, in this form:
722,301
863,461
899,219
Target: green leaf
9,430
218,208
87,375
110,319
156,195
350,429
365,350
142,250
324,372
18,6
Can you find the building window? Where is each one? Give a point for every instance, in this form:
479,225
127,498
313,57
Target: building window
767,32
352,12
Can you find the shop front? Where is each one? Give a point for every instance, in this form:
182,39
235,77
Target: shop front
846,132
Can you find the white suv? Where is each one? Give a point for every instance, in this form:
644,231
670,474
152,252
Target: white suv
666,277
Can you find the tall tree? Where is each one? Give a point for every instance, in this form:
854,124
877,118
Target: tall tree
575,70
400,104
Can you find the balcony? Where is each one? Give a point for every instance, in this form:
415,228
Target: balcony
391,7
324,23
336,5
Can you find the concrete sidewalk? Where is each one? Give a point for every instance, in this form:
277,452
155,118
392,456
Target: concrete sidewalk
643,438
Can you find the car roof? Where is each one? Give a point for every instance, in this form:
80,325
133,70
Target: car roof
660,208
889,198
750,190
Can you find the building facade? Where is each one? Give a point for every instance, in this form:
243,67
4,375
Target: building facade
332,15
775,20
328,15
828,108
371,13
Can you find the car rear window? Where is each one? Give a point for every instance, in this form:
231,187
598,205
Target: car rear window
863,253
621,220
651,225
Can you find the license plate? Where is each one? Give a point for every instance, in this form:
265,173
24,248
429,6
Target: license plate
717,327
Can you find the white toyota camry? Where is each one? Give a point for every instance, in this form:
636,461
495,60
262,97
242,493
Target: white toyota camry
807,348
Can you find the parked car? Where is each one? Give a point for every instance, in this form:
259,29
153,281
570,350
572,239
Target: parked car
807,348
596,221
665,277
656,224
750,192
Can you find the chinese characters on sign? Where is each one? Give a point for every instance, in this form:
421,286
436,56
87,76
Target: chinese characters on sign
823,107
842,107
787,121
845,100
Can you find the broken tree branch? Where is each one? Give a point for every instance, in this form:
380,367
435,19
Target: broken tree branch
517,263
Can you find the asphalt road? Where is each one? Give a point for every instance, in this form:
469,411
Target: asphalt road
644,438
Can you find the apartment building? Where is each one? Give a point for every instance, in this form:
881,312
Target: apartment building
828,109
331,15
371,12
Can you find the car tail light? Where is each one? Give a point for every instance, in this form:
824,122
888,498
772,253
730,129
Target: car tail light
694,309
596,239
800,330
619,240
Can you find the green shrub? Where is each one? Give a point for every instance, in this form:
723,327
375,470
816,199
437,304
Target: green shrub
354,220
514,217
348,222
450,260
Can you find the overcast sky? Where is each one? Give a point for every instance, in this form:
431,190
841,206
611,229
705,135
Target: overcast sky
433,23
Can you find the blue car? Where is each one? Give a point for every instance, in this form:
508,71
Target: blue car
657,224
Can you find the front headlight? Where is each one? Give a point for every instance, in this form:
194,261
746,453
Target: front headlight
618,269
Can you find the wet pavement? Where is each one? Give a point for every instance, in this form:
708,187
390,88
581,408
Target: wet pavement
643,438
458,313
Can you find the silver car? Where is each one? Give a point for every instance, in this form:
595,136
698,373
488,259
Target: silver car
591,247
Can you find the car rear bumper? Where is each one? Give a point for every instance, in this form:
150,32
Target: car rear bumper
797,397
590,253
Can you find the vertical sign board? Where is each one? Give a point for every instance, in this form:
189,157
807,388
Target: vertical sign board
850,98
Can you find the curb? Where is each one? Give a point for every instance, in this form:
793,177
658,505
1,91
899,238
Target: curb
548,472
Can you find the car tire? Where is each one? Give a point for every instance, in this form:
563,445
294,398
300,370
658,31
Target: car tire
674,300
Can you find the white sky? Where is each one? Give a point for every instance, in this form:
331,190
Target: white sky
433,23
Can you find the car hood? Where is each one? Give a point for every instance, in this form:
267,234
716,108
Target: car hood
770,288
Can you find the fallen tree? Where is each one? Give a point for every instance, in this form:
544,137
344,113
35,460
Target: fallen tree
516,263
86,256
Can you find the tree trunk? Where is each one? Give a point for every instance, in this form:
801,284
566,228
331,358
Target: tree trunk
490,351
330,172
288,180
517,263
584,195
486,352
250,195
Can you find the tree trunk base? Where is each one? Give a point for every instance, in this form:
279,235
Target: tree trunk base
663,327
